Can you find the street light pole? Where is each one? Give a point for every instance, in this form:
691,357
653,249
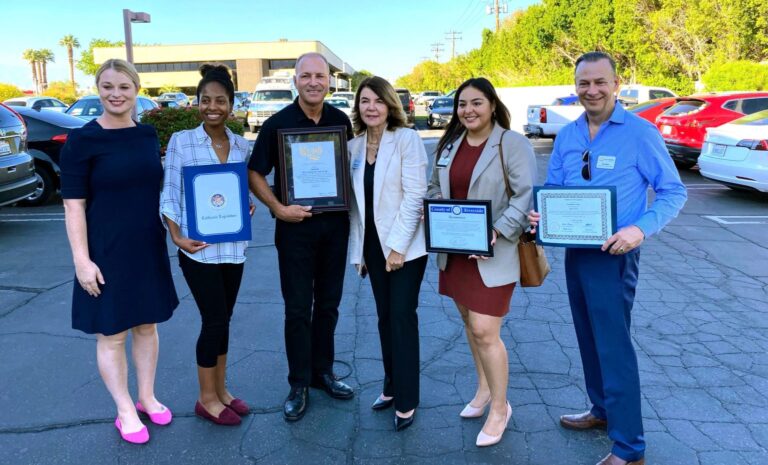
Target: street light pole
128,18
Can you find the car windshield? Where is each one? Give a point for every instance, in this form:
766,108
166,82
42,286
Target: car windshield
168,96
270,95
643,106
631,93
86,107
755,119
685,107
16,103
442,103
339,103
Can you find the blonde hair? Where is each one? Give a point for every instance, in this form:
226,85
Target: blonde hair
121,66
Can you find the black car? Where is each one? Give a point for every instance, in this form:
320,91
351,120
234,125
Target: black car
17,170
46,133
408,106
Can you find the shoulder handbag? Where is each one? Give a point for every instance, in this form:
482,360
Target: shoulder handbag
534,266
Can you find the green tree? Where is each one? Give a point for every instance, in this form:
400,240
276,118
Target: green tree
70,42
9,91
86,63
737,75
31,57
63,91
357,78
45,56
169,88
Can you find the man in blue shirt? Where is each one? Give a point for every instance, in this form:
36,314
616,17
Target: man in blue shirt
608,146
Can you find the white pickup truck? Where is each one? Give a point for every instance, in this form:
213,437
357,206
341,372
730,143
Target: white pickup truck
548,120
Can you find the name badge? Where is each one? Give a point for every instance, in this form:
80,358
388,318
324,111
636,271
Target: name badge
443,161
605,162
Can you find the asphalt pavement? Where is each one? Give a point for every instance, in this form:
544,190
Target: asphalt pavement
700,325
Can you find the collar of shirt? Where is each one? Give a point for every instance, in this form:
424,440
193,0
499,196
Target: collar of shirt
617,117
301,116
202,136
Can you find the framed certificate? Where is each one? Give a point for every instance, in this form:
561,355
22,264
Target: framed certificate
216,197
458,226
575,216
314,168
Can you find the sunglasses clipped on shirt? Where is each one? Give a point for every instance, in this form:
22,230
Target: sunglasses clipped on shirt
586,172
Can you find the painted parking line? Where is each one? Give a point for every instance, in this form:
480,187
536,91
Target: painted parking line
30,217
746,219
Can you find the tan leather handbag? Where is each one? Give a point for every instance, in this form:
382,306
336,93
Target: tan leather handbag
534,266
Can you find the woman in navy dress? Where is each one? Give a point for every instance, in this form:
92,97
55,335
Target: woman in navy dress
111,178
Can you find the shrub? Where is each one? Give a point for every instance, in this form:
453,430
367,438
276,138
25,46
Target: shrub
736,75
9,91
62,91
169,120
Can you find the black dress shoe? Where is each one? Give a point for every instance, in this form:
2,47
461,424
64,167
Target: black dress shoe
332,386
296,403
382,404
403,423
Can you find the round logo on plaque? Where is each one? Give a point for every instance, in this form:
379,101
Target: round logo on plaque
456,210
218,200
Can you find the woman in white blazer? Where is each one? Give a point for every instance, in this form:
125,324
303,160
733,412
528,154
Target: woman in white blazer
389,182
468,166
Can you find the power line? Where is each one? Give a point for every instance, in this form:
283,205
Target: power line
437,48
463,15
453,36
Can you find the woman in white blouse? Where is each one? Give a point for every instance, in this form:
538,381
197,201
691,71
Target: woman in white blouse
389,181
212,271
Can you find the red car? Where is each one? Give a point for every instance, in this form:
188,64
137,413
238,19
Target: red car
652,108
684,125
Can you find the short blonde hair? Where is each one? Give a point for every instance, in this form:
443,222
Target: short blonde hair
120,66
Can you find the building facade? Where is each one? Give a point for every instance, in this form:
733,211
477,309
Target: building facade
177,65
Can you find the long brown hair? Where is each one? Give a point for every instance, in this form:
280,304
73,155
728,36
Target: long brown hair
455,128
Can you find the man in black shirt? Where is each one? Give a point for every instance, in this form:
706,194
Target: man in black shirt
311,248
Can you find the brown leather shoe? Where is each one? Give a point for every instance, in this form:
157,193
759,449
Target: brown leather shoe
582,421
611,459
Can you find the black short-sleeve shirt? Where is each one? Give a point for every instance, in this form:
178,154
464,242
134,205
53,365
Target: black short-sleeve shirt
265,151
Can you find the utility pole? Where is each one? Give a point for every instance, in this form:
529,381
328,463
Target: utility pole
437,48
496,9
453,36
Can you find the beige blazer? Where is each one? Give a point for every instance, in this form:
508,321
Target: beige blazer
509,215
399,187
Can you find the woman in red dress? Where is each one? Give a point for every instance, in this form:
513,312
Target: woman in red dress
468,167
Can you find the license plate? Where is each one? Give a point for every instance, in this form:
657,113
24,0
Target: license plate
716,150
5,147
666,130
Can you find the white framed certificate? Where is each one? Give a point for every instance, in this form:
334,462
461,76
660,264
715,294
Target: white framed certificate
217,202
575,216
458,226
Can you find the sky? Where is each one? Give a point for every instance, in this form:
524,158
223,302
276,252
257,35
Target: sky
386,37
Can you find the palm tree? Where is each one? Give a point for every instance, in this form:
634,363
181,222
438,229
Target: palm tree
45,56
30,56
71,43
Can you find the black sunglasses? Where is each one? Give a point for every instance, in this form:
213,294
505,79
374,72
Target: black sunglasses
586,173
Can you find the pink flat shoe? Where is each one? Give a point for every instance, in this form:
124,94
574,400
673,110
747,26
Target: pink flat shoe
240,407
139,437
160,418
484,440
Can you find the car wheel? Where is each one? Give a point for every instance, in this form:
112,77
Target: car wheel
430,124
44,190
685,164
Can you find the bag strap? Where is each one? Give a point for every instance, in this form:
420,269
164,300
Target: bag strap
507,187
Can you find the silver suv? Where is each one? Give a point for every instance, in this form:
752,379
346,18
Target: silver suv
17,169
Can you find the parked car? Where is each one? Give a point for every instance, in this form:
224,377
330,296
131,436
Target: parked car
548,120
683,126
181,99
736,153
89,107
651,109
421,99
439,114
340,103
349,96
633,94
17,169
47,132
38,103
272,94
408,106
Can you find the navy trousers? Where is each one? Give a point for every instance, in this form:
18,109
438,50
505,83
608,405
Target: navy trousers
601,291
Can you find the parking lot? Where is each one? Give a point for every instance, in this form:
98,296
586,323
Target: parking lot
700,325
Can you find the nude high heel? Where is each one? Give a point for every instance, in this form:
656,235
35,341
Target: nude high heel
484,440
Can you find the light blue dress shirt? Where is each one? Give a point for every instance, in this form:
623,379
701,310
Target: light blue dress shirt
628,153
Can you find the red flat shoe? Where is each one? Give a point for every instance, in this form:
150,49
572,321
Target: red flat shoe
227,417
240,407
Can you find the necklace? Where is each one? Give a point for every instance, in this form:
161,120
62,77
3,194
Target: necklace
217,144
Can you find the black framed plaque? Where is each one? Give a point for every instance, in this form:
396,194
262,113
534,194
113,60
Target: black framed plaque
458,226
314,169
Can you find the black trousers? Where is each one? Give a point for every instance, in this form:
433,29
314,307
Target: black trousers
312,258
214,287
397,297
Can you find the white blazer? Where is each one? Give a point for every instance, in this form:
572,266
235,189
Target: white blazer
399,187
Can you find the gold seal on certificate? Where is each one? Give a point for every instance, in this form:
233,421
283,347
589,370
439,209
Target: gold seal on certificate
575,216
458,226
313,167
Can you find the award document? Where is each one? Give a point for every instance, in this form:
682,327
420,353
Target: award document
458,226
575,216
314,168
216,197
